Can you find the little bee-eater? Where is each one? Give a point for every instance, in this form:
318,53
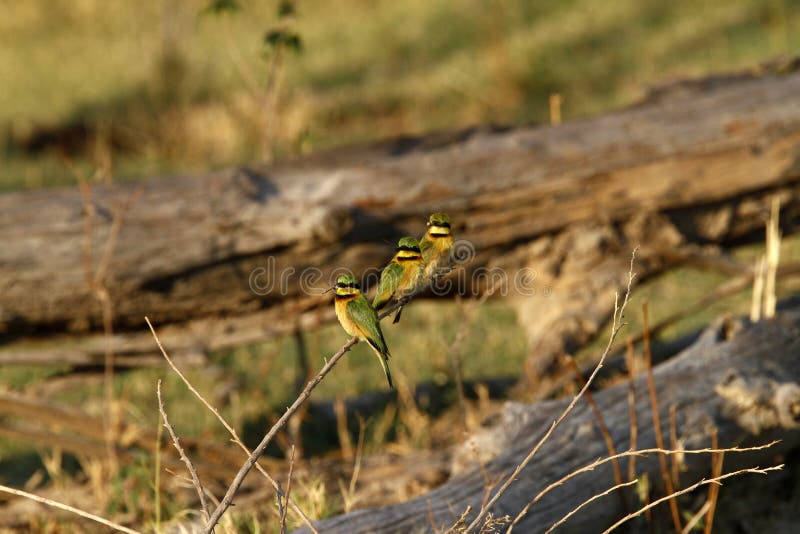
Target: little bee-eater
401,276
359,319
435,245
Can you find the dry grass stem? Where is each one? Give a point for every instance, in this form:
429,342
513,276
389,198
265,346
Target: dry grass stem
349,492
157,475
633,422
96,280
759,273
469,311
616,325
674,461
603,429
345,443
697,516
68,508
555,109
431,521
198,486
358,458
773,254
455,360
724,290
713,490
288,493
715,480
651,387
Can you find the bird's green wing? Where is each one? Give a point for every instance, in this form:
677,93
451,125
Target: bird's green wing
390,278
365,317
425,246
367,320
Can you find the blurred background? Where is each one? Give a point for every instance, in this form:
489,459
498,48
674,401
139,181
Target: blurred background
174,86
122,91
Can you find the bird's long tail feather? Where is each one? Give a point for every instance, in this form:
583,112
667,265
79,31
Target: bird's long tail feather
383,357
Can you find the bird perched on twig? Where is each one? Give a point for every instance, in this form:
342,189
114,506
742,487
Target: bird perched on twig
359,319
401,277
436,244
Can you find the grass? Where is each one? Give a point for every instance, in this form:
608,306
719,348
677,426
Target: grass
172,89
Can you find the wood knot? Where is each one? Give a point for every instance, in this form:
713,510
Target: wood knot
760,404
787,403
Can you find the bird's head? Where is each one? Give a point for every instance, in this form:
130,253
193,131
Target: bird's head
439,224
408,249
347,284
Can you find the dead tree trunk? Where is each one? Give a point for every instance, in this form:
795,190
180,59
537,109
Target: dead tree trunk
216,260
745,386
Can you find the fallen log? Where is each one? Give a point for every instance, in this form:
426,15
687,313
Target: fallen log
204,256
745,387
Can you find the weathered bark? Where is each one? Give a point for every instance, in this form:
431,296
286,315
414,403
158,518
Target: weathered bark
703,162
746,387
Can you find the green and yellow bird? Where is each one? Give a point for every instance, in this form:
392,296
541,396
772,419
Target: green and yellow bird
359,319
435,245
401,276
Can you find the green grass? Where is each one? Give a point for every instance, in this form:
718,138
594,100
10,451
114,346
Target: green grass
367,71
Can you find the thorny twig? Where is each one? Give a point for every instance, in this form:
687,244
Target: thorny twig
631,454
575,510
198,486
715,480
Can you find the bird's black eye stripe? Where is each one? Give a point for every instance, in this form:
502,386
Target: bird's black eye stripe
408,249
442,225
354,285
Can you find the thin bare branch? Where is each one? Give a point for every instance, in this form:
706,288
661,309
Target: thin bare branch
68,508
715,480
198,486
631,454
574,511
